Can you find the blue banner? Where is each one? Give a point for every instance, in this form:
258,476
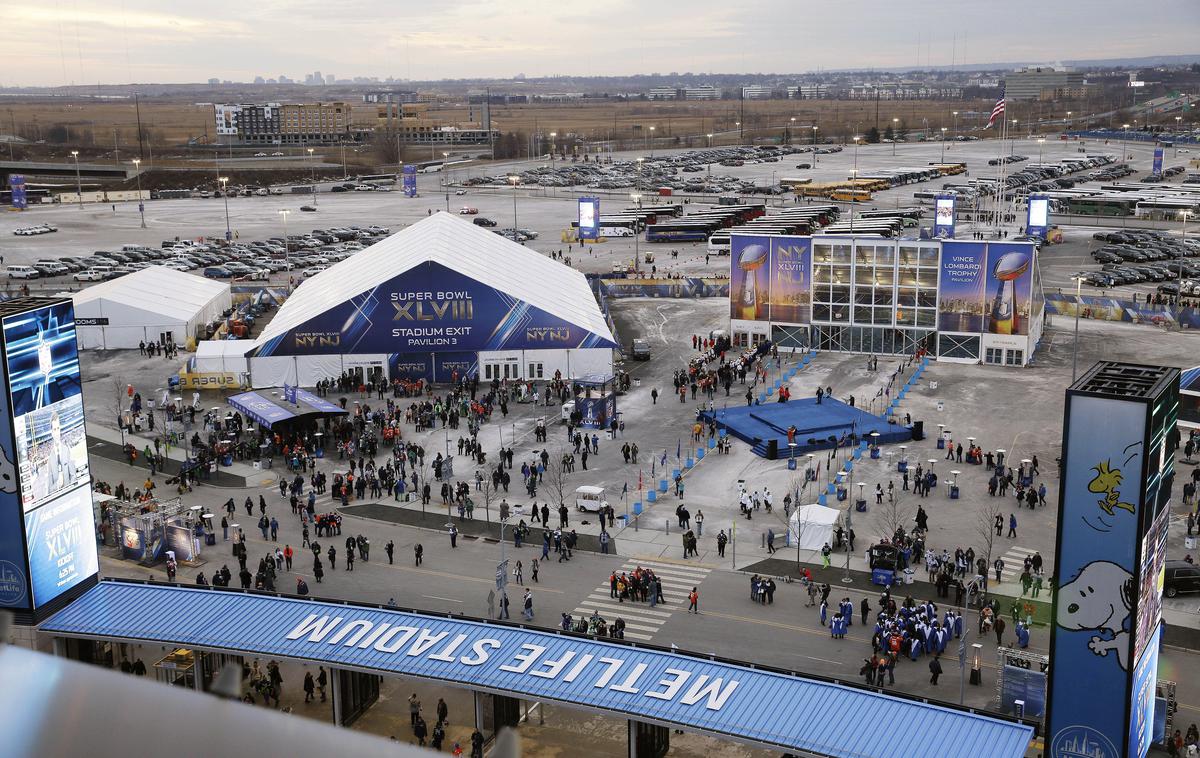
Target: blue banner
410,366
1158,161
589,218
61,539
791,281
1038,220
1098,534
961,287
431,308
260,409
454,366
408,181
16,183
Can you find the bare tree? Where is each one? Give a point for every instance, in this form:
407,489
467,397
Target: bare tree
555,477
892,515
985,525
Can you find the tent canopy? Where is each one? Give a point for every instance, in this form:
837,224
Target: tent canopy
155,292
442,284
267,408
811,526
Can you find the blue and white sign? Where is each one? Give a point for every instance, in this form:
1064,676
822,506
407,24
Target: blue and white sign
16,183
431,308
289,394
1039,216
589,218
1098,534
408,181
61,540
943,216
260,409
1156,168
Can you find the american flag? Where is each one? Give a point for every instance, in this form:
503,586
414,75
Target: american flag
997,111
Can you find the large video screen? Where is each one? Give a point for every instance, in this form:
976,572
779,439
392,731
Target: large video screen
52,474
61,540
1039,212
43,370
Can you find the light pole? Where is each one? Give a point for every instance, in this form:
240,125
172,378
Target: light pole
895,134
513,179
709,135
1068,122
224,180
1041,141
345,173
816,158
1125,143
650,141
1183,217
446,183
313,169
738,124
287,249
637,252
791,130
955,124
972,589
1078,308
1012,146
137,169
1178,123
78,184
943,144
552,140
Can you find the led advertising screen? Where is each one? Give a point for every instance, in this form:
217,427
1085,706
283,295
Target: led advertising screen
589,218
1039,212
791,280
51,464
749,286
943,216
61,539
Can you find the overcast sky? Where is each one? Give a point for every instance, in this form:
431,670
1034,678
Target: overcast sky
57,42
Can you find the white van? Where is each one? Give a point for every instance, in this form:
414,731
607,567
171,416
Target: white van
615,231
22,272
591,499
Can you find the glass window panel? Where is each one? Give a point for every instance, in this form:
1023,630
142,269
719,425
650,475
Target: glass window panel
841,253
821,313
906,316
841,274
927,298
907,277
927,277
822,274
926,317
883,316
864,295
862,314
864,274
929,256
908,255
883,296
885,276
906,296
839,313
841,293
822,253
864,254
885,254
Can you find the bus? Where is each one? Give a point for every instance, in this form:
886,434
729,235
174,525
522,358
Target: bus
660,209
851,196
377,179
1167,208
680,231
1100,205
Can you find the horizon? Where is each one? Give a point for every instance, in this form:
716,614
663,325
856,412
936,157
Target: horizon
92,45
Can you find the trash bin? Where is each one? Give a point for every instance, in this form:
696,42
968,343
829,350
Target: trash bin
909,576
1189,543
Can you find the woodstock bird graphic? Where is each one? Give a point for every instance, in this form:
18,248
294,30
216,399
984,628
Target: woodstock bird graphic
1105,483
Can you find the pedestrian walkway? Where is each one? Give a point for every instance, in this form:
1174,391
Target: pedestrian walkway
641,620
1014,561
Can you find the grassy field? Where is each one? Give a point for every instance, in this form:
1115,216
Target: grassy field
100,126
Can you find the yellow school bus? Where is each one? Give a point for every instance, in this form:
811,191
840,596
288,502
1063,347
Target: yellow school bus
851,196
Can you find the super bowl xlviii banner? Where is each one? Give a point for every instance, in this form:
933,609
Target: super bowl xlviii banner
408,181
431,308
1158,161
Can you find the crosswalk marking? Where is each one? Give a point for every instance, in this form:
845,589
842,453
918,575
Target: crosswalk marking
677,582
1014,561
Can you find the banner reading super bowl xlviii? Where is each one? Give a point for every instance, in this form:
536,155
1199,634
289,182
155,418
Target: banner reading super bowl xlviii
791,280
431,308
749,277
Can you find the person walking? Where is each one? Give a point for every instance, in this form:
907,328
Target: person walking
418,553
389,548
519,573
1012,525
453,536
527,602
414,709
322,680
694,601
935,669
309,687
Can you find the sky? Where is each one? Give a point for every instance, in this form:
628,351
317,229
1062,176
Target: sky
64,42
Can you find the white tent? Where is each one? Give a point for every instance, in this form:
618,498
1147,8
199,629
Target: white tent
811,526
221,356
345,318
147,306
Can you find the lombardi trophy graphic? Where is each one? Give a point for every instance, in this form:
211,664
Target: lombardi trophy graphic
750,260
1009,267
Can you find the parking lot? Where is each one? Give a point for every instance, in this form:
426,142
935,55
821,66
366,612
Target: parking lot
545,210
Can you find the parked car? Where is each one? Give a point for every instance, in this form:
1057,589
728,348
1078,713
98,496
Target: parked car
1180,577
308,209
467,210
482,221
640,350
22,272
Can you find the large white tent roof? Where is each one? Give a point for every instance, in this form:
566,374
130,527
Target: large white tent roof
461,246
162,291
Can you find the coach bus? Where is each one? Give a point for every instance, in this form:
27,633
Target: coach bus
1099,205
681,231
1168,208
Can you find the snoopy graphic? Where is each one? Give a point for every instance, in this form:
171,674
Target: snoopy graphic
1105,483
1100,599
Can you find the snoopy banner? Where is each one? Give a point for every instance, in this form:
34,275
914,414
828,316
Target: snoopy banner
1100,512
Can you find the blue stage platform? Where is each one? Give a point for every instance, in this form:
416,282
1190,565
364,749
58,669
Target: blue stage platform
815,423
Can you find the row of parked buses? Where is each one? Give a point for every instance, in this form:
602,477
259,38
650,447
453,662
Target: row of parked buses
802,220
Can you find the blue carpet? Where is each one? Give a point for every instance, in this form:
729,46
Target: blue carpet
815,423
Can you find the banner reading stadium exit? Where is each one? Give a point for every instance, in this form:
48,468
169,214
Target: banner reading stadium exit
431,308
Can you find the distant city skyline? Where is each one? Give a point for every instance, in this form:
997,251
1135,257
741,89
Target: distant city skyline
95,41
